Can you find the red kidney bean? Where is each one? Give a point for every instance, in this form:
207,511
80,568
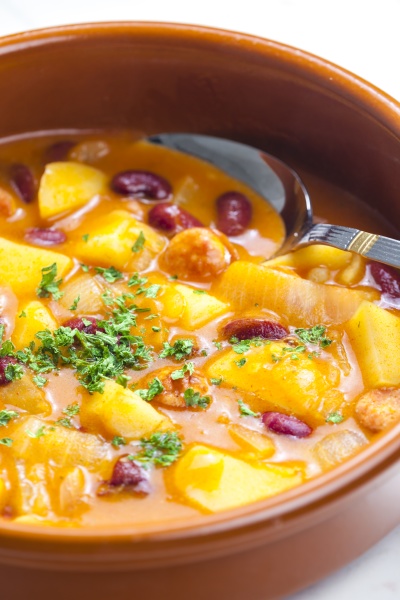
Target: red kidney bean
141,184
23,182
126,472
286,425
58,151
245,329
234,213
171,218
4,361
387,278
78,323
46,236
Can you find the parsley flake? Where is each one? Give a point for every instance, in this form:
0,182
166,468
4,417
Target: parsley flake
215,381
6,416
314,335
138,245
155,388
160,449
13,372
38,433
118,441
334,417
75,303
180,373
39,380
152,290
241,362
110,275
179,350
85,237
199,292
6,441
72,410
194,399
23,314
49,284
245,410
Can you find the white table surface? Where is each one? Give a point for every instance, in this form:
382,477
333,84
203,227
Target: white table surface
362,36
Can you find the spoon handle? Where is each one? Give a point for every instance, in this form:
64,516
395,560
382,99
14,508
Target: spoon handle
373,246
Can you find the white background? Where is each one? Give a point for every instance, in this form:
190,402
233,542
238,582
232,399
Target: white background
361,35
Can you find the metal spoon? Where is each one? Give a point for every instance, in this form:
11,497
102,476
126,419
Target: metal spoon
283,188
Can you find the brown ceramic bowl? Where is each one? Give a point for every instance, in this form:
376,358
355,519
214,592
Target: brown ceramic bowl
160,77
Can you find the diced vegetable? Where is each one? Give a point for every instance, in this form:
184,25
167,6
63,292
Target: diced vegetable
21,266
66,186
88,290
304,302
119,411
374,334
120,240
303,387
34,317
337,447
253,442
315,255
37,441
26,395
216,481
199,308
72,492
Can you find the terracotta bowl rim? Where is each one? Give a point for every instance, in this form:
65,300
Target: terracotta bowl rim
328,486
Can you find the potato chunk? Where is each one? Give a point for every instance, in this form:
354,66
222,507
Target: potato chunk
302,387
119,411
254,443
379,409
21,265
304,302
89,291
374,334
199,308
37,319
65,186
215,481
316,255
111,239
25,394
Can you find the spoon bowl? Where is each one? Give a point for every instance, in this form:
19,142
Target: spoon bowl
282,187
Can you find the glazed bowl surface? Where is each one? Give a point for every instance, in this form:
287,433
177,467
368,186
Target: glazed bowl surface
307,112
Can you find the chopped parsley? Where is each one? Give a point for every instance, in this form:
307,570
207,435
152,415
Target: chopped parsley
218,345
216,381
6,416
199,292
13,372
6,441
85,268
160,449
138,245
110,275
180,373
156,329
314,335
49,284
194,399
118,441
136,280
241,362
179,350
72,410
245,410
38,433
240,347
152,291
173,277
155,388
65,422
23,314
39,380
75,303
85,237
122,380
334,417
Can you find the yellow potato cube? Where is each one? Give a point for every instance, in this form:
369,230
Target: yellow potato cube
119,411
303,387
215,481
304,302
20,265
111,239
198,308
88,289
37,319
65,186
374,334
25,394
3,493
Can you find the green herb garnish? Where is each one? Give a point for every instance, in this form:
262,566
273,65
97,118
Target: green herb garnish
334,417
245,410
160,449
110,275
180,373
49,284
179,350
314,335
194,399
6,441
6,416
155,388
75,303
138,245
118,441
